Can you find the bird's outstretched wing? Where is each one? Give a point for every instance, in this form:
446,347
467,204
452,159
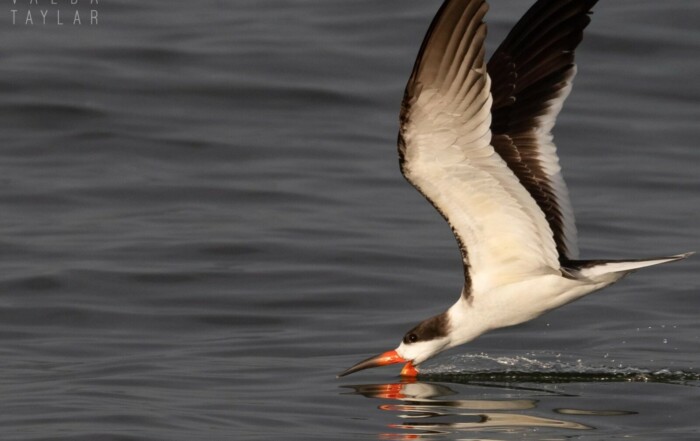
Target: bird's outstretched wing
532,73
446,153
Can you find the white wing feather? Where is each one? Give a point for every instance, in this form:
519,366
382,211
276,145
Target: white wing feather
447,156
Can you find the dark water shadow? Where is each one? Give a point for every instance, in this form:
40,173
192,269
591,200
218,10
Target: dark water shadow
505,405
603,376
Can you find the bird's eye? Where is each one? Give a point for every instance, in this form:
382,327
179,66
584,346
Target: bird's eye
410,338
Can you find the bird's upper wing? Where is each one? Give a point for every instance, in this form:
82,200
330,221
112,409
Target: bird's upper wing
532,73
446,153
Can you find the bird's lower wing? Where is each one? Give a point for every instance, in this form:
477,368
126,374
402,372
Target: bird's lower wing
446,153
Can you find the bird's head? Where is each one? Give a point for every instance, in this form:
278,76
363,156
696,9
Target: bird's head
427,339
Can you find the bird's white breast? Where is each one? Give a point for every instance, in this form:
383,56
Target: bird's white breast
514,303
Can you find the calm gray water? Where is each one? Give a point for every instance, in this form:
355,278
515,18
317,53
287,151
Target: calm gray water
202,221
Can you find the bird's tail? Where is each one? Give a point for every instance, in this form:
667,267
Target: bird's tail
614,269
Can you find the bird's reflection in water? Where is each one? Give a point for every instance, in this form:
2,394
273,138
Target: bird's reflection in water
427,411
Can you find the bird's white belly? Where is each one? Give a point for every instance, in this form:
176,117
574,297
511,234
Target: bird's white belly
525,300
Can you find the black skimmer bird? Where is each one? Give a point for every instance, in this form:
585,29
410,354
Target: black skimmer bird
475,139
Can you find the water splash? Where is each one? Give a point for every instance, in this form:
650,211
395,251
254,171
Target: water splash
522,369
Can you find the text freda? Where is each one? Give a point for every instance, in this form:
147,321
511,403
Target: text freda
56,12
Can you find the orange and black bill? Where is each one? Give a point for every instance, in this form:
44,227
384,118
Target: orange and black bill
385,359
